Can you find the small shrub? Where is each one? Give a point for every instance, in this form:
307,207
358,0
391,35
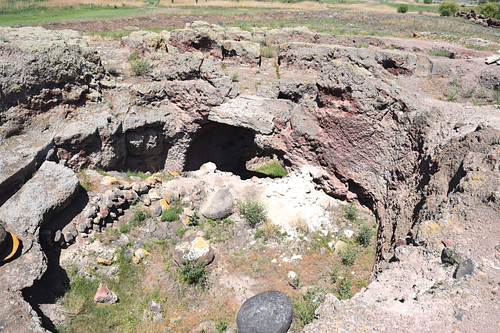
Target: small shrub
180,231
277,68
134,56
235,76
108,236
448,8
491,10
193,272
402,8
139,67
428,2
169,215
124,228
440,52
334,274
193,220
253,211
220,325
258,234
351,212
363,45
348,254
139,216
365,235
304,307
344,288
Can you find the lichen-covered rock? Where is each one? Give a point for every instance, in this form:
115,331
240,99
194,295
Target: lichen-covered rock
203,40
143,40
312,56
193,249
41,68
241,52
184,66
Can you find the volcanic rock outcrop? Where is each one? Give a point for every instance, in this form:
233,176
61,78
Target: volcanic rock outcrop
399,152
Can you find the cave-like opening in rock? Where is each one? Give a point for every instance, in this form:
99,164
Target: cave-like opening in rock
229,147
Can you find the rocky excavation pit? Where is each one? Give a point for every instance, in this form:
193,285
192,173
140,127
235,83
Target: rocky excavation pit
347,123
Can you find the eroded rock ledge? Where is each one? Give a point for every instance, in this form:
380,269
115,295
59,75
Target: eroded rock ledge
367,137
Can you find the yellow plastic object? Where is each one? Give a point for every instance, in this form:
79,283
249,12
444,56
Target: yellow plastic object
15,246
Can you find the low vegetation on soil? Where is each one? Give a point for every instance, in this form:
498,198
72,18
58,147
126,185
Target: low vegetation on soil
192,294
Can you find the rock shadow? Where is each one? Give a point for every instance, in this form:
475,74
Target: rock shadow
227,146
55,282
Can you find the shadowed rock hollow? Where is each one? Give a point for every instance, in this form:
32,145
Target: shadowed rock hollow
346,112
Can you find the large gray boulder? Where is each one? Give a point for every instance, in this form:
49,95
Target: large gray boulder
218,205
48,192
269,312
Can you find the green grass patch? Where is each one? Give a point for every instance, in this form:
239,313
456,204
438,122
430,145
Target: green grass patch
273,169
34,14
134,173
123,316
170,215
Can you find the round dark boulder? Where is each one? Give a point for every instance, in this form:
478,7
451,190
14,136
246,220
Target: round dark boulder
267,312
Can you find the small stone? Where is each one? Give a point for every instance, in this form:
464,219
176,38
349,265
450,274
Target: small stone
57,236
146,200
154,307
156,209
68,237
401,242
168,197
103,212
91,212
73,230
465,268
107,180
322,250
96,227
164,204
112,215
142,254
88,223
324,202
104,261
339,246
130,196
104,295
82,227
150,181
348,233
154,194
188,212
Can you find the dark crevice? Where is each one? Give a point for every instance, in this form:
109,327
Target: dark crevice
227,146
455,180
